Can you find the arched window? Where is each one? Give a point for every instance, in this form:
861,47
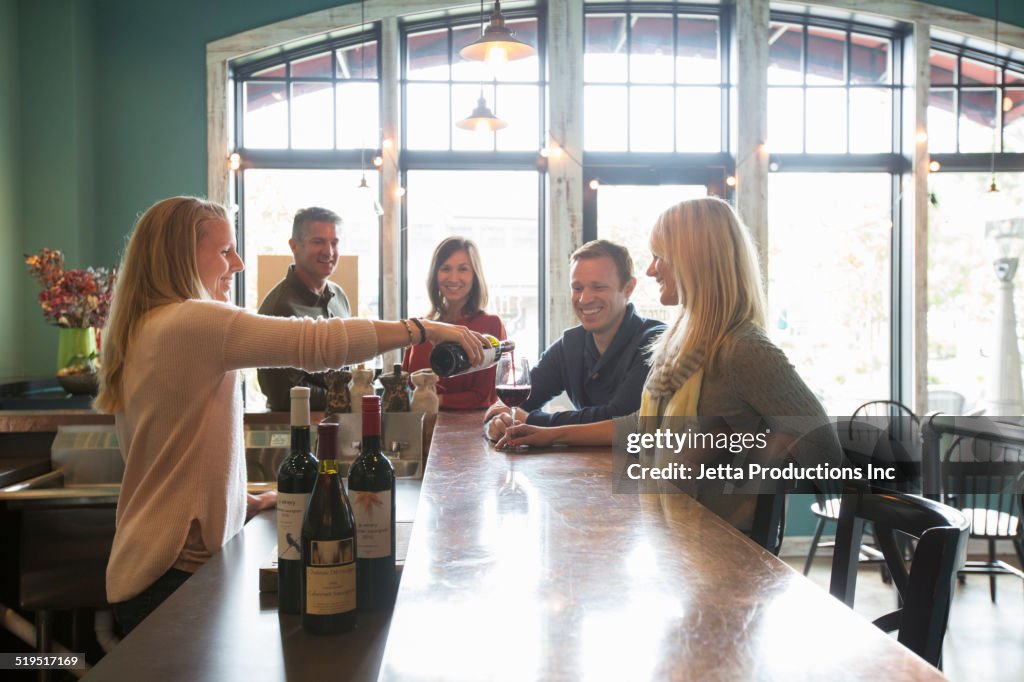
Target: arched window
307,121
656,121
653,121
833,97
485,186
975,134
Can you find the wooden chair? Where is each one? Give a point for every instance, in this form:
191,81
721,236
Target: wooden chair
927,588
983,477
869,422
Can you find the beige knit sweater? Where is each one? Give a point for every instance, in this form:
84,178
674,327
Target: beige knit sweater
181,427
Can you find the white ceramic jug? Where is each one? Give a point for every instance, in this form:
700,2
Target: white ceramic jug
425,400
362,384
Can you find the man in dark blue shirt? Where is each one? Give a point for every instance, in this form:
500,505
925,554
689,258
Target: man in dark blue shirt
600,364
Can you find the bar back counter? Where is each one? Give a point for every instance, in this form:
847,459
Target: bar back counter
526,566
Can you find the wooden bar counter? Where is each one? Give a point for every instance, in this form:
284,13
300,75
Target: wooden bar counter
527,567
219,626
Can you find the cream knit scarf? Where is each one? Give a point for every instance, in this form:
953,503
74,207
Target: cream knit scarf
673,386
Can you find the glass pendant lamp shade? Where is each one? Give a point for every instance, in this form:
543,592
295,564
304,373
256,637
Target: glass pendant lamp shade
498,43
482,119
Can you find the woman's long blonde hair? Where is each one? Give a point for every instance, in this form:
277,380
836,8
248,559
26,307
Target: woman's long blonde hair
159,267
718,280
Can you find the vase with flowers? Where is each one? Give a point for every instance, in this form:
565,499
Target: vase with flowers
77,301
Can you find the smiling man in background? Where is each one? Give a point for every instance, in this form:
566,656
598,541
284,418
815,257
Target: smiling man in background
602,363
305,291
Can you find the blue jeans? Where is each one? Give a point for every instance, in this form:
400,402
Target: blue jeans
132,612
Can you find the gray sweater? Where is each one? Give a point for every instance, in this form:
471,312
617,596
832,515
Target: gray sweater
752,378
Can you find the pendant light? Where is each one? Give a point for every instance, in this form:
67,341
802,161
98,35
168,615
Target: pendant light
482,119
497,43
368,197
997,123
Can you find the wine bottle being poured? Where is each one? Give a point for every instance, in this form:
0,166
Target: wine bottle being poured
449,359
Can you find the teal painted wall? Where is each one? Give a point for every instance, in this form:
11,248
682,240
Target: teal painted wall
11,278
56,48
799,520
113,117
152,117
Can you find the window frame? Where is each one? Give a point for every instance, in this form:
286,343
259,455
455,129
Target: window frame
470,160
240,73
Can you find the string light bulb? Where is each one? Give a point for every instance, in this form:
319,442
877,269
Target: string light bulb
594,184
934,166
731,181
235,161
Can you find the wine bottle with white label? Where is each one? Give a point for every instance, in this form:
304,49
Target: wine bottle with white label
371,486
295,479
328,547
449,358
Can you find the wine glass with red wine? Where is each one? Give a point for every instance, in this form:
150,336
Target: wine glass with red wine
512,380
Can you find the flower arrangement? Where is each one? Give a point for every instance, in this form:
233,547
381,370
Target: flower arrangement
75,298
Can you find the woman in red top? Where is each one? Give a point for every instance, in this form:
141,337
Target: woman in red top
458,294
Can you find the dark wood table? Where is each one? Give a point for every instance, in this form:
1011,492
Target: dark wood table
527,567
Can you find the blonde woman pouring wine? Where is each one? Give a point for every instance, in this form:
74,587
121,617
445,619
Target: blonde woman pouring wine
172,352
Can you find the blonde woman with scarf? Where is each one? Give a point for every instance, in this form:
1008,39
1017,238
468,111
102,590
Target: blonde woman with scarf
714,364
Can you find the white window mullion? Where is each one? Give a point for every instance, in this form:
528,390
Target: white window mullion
565,175
391,256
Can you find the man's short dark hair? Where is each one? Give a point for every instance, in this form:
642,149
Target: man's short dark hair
602,248
313,214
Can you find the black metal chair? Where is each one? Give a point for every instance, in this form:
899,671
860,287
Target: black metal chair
927,588
983,477
870,421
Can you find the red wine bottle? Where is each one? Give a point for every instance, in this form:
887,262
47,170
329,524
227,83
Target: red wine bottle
328,547
371,484
295,479
449,358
